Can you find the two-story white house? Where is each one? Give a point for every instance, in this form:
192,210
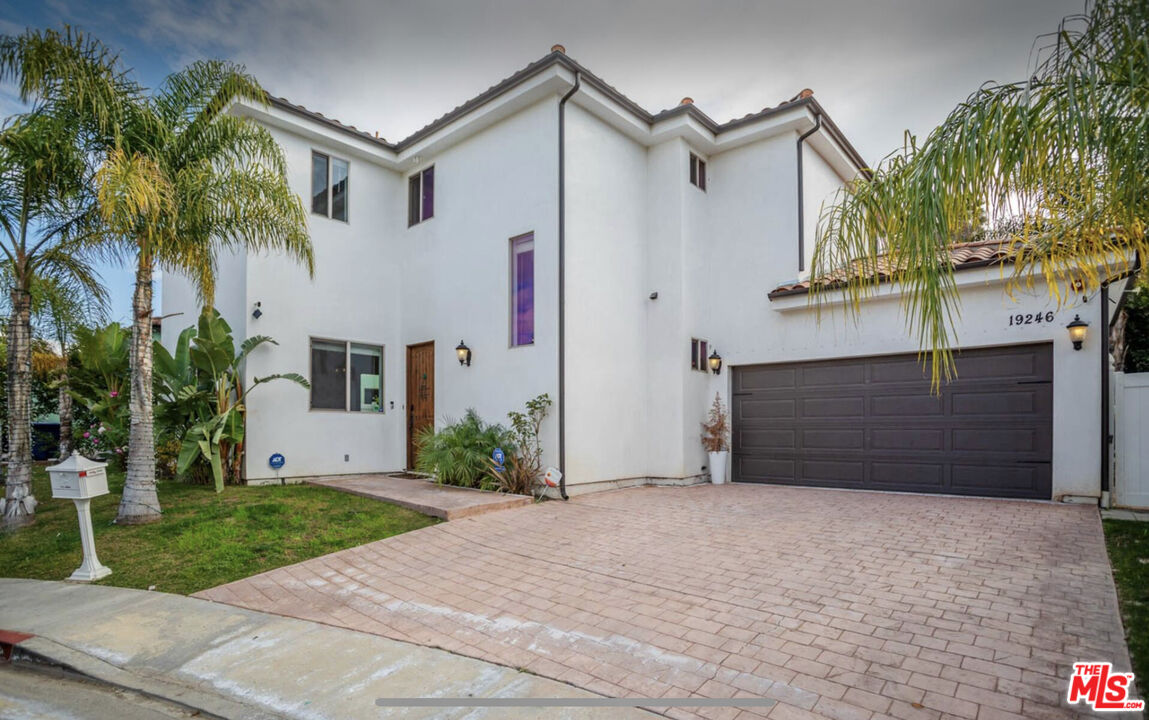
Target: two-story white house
582,246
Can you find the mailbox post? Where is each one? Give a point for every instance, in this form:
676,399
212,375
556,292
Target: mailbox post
79,479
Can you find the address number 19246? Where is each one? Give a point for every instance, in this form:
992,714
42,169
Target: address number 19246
1031,318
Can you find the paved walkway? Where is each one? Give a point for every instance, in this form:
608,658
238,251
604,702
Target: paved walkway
240,664
836,603
425,496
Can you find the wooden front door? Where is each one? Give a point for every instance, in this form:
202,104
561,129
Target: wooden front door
420,394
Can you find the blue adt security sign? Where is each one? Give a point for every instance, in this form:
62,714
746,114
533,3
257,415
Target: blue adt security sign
499,457
276,461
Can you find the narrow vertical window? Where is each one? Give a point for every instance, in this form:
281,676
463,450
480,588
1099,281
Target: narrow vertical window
429,193
421,196
697,172
366,374
339,189
523,290
413,192
699,355
318,183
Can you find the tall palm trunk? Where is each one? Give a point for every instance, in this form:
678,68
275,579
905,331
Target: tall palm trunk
139,503
64,401
19,506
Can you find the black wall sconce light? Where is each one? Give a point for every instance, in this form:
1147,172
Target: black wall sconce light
1078,329
464,353
257,313
715,362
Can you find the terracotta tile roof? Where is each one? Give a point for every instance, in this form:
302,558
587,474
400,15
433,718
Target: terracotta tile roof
558,56
963,256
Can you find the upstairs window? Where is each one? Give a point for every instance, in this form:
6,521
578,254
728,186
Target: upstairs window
421,196
697,172
329,186
523,290
699,352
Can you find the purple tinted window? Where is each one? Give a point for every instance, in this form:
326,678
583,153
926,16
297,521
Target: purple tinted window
428,193
523,290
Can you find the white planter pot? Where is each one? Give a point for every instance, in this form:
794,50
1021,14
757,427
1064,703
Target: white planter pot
718,467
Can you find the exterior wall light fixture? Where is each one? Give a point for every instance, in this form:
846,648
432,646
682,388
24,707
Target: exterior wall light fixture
1078,329
257,313
464,353
715,362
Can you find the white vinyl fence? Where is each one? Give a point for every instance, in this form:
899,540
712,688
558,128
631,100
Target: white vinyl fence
1131,440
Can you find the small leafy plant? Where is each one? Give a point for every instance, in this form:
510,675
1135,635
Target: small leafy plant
525,465
458,454
716,429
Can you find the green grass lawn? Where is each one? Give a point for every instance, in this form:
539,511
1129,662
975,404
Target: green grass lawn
1128,543
204,539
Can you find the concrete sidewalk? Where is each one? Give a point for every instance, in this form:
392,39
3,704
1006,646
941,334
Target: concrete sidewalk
237,663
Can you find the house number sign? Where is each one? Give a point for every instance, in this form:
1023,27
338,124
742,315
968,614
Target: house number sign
1031,318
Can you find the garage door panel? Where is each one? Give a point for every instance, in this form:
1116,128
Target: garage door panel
1017,402
873,423
900,369
768,409
766,379
1002,439
836,375
835,407
1009,480
764,469
1012,366
848,473
906,475
908,439
834,439
905,405
767,439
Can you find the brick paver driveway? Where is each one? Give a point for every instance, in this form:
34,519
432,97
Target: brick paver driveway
839,604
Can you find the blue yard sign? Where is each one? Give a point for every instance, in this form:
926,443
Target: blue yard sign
276,461
499,457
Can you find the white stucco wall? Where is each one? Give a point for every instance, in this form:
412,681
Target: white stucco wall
353,296
606,301
455,281
820,183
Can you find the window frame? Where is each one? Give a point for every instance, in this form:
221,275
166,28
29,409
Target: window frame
420,177
347,344
698,171
699,357
512,276
329,189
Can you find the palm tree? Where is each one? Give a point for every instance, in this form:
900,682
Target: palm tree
48,219
185,181
1058,163
61,308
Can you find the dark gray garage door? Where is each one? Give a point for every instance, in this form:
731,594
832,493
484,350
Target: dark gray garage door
871,423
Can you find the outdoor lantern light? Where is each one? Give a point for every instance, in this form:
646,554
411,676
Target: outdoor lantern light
257,313
1077,331
715,362
464,353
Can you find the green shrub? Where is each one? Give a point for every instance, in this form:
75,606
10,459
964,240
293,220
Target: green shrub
458,453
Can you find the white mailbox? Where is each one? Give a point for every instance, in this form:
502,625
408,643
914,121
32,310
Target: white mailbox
79,479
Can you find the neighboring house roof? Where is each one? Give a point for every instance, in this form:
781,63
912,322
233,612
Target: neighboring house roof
559,57
963,256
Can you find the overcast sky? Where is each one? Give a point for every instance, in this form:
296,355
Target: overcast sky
879,67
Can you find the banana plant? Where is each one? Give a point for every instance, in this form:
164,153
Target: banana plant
200,393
